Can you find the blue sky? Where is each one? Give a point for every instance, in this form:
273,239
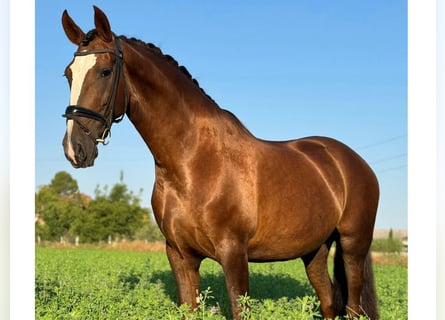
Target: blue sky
287,69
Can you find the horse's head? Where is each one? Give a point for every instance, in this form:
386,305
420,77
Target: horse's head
98,93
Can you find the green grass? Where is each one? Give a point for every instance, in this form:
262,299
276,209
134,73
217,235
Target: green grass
105,284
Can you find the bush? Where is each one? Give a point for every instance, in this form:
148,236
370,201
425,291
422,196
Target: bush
149,232
387,245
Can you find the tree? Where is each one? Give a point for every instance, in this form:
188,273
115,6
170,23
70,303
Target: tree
58,218
64,185
391,235
57,206
64,212
116,213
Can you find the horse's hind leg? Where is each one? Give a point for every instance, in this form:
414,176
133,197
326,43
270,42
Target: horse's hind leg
317,272
354,253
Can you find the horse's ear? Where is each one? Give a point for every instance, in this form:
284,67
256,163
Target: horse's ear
102,25
72,30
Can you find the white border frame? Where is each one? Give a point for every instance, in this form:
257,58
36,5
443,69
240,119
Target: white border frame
422,192
4,162
440,279
22,151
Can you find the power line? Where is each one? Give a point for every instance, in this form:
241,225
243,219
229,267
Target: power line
392,168
389,158
383,142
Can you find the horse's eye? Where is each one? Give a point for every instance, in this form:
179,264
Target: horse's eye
105,73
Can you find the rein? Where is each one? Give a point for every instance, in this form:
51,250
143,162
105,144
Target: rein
74,112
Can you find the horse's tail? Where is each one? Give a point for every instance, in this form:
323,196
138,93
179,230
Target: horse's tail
368,296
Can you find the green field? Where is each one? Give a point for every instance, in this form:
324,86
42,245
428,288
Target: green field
106,284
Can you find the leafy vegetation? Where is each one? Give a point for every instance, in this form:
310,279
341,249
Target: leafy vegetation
387,245
105,284
63,213
390,244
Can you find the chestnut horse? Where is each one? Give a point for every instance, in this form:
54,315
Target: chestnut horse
221,193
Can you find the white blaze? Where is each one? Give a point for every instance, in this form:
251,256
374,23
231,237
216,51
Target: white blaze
79,69
69,130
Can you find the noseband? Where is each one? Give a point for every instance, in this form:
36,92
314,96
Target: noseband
74,112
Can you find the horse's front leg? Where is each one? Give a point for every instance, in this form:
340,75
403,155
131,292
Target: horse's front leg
236,272
186,270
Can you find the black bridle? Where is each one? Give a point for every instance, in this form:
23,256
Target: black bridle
74,112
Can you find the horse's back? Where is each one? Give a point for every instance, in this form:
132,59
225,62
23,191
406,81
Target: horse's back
325,151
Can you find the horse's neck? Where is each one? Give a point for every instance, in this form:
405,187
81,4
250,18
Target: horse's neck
167,109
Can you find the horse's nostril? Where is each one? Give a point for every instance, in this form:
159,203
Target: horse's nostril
80,153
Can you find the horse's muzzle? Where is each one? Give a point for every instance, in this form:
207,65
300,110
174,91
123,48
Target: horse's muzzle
81,155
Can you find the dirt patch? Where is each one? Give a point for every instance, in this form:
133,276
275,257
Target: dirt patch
390,259
137,246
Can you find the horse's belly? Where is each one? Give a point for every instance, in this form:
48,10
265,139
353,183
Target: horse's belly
283,249
279,249
289,237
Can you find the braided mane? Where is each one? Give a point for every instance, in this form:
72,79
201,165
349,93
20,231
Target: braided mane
150,46
169,58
